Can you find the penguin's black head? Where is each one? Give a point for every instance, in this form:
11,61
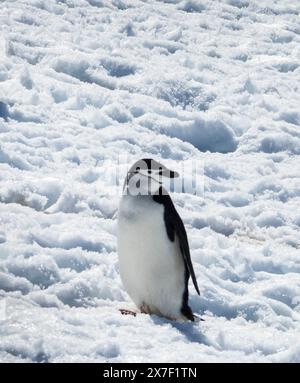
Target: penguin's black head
151,168
148,174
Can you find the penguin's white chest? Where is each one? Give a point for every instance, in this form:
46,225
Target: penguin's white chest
151,266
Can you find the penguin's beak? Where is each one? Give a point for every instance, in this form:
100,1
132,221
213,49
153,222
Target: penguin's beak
169,173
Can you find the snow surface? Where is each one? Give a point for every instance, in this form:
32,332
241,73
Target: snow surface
84,81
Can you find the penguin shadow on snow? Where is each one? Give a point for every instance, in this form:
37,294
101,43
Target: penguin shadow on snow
190,330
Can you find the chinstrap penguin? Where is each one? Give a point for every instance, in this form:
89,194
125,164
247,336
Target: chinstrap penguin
154,256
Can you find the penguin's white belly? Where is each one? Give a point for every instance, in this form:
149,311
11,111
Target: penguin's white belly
151,266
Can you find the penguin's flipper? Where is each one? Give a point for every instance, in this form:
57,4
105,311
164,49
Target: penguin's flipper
184,246
175,227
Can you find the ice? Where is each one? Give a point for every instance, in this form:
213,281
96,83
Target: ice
85,82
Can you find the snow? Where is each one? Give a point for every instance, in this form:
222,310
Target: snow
85,83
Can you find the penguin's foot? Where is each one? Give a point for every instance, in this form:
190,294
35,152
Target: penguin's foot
145,309
127,312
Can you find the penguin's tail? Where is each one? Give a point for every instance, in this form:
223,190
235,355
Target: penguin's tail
197,318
